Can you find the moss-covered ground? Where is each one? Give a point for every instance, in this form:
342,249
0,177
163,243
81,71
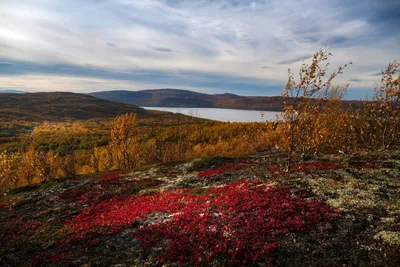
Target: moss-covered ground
329,211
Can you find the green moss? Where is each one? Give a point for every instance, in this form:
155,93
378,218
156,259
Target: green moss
350,194
393,208
388,220
23,189
52,183
388,237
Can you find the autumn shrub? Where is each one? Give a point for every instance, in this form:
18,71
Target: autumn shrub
38,166
312,117
33,167
123,140
9,163
334,127
132,146
379,122
102,159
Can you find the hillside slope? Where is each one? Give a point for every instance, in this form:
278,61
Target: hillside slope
185,98
333,211
60,106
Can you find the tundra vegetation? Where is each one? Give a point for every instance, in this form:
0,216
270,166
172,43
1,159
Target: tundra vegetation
182,191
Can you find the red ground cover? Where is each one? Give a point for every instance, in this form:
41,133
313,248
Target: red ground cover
18,229
110,185
311,167
108,177
237,224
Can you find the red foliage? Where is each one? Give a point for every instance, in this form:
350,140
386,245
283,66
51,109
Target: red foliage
72,193
110,185
31,226
112,216
76,193
310,167
18,230
222,169
4,205
109,177
237,223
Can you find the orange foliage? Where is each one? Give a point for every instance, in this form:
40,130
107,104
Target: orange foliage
312,117
381,118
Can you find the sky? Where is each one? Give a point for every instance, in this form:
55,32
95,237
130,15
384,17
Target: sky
210,46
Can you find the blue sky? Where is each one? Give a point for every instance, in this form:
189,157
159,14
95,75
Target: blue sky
211,46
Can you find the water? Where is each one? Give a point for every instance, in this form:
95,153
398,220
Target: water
221,114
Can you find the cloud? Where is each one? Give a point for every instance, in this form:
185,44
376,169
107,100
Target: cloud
162,78
380,73
296,59
230,52
5,63
218,41
163,49
376,74
337,40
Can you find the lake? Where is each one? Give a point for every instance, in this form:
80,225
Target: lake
221,114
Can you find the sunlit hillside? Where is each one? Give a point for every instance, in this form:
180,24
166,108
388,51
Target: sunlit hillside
200,133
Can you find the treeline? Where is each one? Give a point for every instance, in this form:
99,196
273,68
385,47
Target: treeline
127,146
313,122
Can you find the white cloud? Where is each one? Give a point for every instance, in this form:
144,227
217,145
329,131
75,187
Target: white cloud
43,83
196,34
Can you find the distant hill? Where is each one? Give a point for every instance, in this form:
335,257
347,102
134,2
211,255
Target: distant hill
61,106
185,98
159,97
7,91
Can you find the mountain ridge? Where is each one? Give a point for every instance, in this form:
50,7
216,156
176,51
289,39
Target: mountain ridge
169,97
56,106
